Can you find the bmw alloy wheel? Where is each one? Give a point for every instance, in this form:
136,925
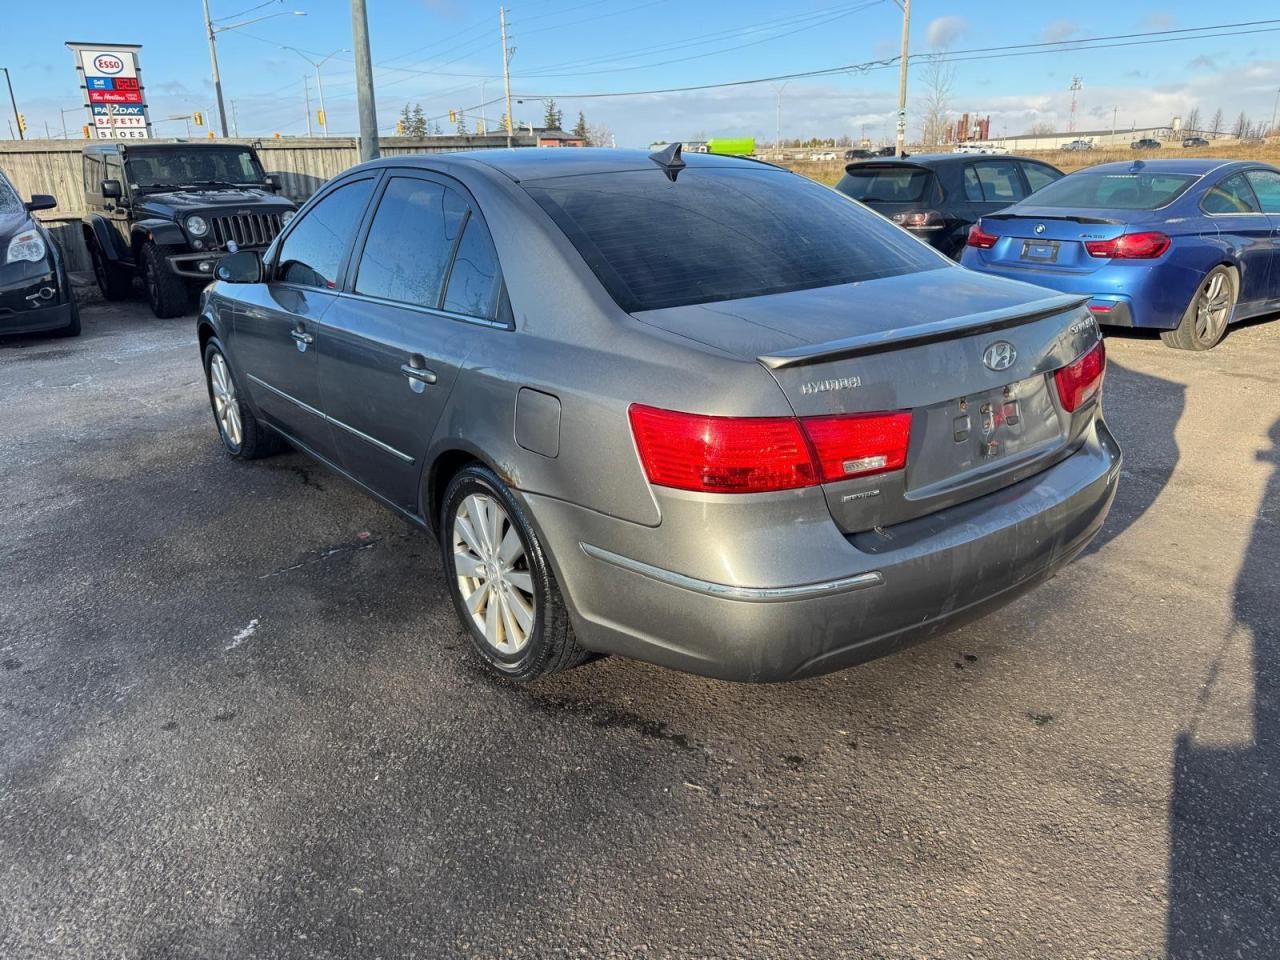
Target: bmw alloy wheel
1213,307
226,406
493,574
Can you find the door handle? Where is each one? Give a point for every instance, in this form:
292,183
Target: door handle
420,374
302,337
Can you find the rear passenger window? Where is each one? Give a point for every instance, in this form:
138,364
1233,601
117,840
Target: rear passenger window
1232,195
312,252
972,188
1000,181
473,281
410,242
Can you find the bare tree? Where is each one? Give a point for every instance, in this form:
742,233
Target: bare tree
1192,123
1241,129
1215,125
1041,129
939,81
599,135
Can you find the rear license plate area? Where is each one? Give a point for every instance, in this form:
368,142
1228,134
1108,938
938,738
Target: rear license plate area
981,431
1040,251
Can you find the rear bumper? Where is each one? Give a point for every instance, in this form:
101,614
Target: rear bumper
881,592
1151,296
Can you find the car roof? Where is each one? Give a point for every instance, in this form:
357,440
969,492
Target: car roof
525,163
1195,166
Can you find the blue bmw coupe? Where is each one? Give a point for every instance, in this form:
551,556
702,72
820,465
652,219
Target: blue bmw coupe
1180,246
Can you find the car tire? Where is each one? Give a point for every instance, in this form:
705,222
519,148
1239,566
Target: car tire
72,329
242,434
113,283
1204,323
167,292
520,629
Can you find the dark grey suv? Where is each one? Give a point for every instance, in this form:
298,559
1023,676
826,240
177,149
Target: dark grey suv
708,414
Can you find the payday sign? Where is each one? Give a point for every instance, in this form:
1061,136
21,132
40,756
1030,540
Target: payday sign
111,79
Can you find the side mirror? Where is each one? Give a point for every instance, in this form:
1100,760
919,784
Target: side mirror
243,266
41,201
111,189
273,183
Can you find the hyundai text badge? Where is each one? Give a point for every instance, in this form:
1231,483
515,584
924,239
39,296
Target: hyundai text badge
1000,355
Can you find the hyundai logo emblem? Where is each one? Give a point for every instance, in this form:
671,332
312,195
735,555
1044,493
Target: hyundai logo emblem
1039,228
1000,355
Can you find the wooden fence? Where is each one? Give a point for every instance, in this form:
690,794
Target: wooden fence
54,167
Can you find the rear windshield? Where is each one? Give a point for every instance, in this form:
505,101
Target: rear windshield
1141,190
722,234
885,184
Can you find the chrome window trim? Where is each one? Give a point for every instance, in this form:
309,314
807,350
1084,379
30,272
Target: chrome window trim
328,419
724,591
419,308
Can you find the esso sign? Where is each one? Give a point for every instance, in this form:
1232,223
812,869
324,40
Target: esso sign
108,64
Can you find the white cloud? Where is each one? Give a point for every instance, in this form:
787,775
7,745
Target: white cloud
944,31
1061,30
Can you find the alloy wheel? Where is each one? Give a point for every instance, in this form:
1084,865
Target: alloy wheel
1213,308
493,573
226,407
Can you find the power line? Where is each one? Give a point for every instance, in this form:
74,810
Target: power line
960,56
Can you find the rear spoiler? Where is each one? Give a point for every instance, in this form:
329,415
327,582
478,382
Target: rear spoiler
949,329
1049,216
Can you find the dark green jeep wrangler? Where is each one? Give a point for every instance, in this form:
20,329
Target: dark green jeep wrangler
168,212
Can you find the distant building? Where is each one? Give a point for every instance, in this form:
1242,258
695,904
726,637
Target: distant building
558,138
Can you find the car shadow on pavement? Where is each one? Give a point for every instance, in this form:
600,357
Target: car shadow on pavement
1224,874
1139,405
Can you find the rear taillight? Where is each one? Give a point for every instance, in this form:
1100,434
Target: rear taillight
1129,246
1082,379
691,451
980,238
920,220
858,445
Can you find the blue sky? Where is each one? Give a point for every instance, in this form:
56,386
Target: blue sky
444,53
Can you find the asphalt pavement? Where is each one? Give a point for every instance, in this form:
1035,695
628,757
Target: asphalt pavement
239,720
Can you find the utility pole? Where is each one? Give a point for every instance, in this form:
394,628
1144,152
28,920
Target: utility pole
217,77
306,96
902,78
364,82
235,120
1274,111
777,143
506,68
9,80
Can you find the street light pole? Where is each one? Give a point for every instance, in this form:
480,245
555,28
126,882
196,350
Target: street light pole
364,82
1274,111
306,99
9,81
217,77
317,64
506,69
902,78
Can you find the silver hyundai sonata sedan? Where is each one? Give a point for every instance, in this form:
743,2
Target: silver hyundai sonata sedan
700,411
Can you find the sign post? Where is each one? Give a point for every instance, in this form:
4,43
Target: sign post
114,97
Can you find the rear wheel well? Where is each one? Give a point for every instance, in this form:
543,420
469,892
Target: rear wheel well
442,471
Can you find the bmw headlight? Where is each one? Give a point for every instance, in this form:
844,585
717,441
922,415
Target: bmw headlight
197,226
27,245
286,217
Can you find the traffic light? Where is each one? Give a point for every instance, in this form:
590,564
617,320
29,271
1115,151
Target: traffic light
453,116
198,118
399,128
85,131
209,134
22,123
320,117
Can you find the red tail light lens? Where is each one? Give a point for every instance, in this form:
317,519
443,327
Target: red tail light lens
980,238
1082,379
920,220
721,454
859,445
690,451
1130,246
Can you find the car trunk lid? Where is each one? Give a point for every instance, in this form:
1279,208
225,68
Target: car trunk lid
900,344
1052,240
